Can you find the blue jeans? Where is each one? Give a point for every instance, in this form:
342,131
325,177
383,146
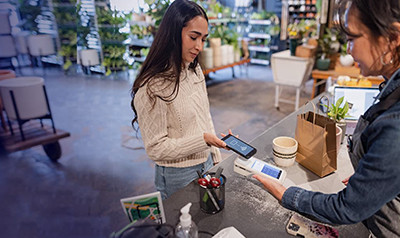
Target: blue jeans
169,179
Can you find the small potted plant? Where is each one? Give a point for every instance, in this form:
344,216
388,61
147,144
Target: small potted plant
337,112
300,31
328,45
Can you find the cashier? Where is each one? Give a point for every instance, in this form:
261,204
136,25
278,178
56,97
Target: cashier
372,194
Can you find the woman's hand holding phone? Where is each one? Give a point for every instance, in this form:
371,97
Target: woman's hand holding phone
213,140
230,133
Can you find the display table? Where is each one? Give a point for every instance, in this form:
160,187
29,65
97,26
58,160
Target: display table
248,207
320,77
211,70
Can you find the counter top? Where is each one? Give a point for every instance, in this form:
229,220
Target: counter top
248,206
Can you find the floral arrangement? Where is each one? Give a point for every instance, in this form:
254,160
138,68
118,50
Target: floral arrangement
302,29
328,43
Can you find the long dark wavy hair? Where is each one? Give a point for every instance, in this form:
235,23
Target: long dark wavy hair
165,56
377,16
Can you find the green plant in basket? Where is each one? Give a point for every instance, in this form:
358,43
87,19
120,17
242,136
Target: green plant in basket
336,111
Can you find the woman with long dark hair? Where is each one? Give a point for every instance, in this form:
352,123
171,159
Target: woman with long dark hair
170,102
372,194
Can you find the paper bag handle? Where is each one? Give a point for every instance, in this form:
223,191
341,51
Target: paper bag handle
321,104
303,115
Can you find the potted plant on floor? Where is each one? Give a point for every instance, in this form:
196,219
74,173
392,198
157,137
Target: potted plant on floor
337,112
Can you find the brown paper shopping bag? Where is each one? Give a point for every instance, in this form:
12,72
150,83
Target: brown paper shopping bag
316,136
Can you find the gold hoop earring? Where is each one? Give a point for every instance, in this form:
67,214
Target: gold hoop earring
382,60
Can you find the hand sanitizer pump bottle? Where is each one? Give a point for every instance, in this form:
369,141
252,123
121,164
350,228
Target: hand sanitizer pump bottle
186,227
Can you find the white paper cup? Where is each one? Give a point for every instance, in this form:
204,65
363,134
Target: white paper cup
284,150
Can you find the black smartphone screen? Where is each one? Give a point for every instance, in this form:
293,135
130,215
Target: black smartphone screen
239,146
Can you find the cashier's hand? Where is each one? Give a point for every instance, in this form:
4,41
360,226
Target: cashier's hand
213,140
272,186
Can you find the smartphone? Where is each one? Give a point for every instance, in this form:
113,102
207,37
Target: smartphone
303,227
240,147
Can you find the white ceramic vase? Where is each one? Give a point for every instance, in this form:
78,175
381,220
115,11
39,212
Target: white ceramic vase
346,60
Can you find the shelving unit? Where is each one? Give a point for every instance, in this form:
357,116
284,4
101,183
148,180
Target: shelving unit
37,18
113,40
140,39
66,18
260,39
302,10
136,49
87,33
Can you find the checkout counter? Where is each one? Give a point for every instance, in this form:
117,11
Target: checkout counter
248,206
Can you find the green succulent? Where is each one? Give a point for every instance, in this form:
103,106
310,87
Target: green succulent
336,111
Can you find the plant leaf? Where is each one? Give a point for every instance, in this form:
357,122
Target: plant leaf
345,108
339,102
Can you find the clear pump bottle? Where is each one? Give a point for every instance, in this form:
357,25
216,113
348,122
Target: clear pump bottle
186,227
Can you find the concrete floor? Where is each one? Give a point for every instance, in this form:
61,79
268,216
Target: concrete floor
80,195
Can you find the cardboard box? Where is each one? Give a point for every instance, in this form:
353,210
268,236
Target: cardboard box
306,51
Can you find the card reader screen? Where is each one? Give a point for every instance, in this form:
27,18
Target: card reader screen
264,168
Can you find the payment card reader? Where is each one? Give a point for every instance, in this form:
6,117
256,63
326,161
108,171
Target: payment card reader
257,166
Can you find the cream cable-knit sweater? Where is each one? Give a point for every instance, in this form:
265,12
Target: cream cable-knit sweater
172,132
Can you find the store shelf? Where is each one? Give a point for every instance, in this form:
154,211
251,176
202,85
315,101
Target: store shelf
226,20
305,11
260,48
139,59
220,20
259,22
259,40
259,35
138,42
300,11
301,4
259,61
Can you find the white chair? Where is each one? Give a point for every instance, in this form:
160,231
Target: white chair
24,99
89,57
7,49
5,28
290,71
